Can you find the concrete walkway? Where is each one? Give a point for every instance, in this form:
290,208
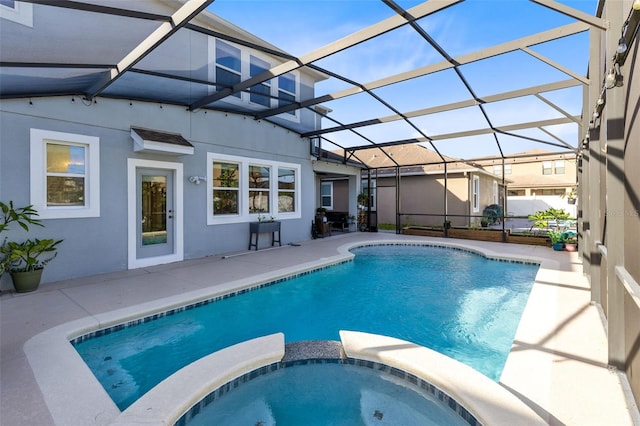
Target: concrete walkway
558,364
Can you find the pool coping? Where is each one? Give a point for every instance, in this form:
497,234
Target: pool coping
213,375
168,401
84,400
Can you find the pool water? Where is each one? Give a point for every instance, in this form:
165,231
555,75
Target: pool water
455,302
306,395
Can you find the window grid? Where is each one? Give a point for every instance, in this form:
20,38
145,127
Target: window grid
286,190
260,189
228,66
65,174
274,192
260,93
326,195
226,188
287,91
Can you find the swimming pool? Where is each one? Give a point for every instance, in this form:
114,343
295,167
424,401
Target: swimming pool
306,395
453,301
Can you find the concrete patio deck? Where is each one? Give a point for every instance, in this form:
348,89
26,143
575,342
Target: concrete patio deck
558,363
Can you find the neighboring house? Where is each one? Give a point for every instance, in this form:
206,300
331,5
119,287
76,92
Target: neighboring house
536,172
422,187
130,182
538,179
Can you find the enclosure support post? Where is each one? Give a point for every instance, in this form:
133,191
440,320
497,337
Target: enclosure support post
446,209
398,221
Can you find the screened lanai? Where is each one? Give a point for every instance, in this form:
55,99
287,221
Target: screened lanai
465,79
473,84
412,73
468,80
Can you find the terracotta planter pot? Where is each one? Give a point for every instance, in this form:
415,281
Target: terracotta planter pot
571,247
25,282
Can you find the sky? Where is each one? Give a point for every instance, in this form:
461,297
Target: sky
301,26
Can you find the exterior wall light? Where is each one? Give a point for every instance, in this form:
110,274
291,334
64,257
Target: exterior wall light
197,179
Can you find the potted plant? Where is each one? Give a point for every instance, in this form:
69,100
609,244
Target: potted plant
363,200
571,242
557,240
27,259
23,216
572,196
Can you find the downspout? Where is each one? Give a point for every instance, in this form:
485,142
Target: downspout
446,207
504,204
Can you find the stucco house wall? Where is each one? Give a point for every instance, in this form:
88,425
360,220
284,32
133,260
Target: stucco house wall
609,187
341,196
99,244
101,241
422,200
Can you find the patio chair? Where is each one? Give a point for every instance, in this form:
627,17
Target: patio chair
323,227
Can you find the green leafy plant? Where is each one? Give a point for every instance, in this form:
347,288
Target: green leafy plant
363,199
556,237
23,216
29,255
542,219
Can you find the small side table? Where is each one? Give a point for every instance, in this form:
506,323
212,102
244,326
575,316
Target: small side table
257,228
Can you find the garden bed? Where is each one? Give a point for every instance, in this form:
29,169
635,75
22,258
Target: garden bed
479,234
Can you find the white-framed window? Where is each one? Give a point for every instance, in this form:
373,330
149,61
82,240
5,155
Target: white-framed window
326,195
497,169
17,11
259,177
558,167
260,93
476,193
65,174
287,89
495,192
287,188
226,188
547,168
241,189
230,64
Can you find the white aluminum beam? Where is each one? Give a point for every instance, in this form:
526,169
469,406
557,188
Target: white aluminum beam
382,27
581,16
534,90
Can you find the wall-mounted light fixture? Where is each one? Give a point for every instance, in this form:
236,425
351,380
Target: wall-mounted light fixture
197,179
622,46
614,78
636,5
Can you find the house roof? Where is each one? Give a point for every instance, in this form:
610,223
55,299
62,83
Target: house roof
530,156
136,51
538,181
162,137
415,160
